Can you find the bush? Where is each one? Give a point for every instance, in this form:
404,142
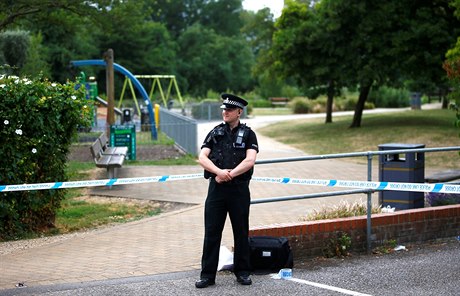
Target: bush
14,46
338,245
342,210
38,120
300,105
349,103
261,103
442,199
386,97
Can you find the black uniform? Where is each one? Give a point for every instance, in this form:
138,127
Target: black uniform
228,149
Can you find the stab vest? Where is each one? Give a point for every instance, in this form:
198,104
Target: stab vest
229,150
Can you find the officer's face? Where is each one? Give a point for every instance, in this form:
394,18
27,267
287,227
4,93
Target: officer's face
231,114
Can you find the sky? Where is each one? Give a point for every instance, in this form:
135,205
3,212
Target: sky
275,6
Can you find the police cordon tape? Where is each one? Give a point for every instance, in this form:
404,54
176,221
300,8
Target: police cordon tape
377,186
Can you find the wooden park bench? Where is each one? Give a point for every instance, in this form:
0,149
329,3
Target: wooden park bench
279,101
104,160
443,176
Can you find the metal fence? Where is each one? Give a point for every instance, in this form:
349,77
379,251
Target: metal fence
207,111
180,128
369,155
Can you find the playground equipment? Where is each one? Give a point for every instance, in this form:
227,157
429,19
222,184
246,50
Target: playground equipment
133,79
156,81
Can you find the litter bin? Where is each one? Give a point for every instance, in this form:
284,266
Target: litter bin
145,119
127,116
402,167
416,101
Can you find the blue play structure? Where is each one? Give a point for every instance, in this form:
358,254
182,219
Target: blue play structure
133,79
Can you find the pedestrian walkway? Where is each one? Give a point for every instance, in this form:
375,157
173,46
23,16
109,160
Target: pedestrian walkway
170,242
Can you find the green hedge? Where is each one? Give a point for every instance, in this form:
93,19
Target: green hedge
387,97
38,120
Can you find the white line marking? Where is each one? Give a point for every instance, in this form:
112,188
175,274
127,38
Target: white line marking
340,290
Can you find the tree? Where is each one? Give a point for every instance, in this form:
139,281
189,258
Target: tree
65,38
304,41
12,11
371,43
223,16
35,63
209,61
14,46
258,30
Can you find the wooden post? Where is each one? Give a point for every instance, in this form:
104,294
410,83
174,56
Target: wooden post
108,57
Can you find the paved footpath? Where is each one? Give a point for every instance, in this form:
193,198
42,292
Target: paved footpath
170,242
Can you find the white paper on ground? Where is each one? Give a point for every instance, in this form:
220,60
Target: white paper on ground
225,259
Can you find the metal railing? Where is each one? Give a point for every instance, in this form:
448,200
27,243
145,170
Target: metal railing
369,155
182,129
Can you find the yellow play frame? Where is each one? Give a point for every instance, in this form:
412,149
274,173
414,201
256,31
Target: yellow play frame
156,81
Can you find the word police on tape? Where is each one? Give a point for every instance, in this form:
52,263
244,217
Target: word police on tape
377,186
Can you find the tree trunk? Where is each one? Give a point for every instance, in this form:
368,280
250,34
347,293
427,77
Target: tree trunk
330,101
363,94
445,102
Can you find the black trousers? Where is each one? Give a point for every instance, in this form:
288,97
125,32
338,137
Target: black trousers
232,198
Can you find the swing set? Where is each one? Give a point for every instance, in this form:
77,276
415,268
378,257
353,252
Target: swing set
155,81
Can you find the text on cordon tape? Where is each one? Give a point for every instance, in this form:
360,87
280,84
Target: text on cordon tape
377,186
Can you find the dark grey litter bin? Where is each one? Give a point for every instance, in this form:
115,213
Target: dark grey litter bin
145,119
127,116
416,101
402,167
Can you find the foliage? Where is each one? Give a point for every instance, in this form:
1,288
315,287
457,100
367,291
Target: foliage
211,61
300,105
145,36
349,103
12,12
178,15
14,45
387,97
442,199
261,103
38,120
216,45
388,246
452,68
338,245
363,43
342,210
35,63
64,39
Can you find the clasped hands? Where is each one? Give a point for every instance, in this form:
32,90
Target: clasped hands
224,176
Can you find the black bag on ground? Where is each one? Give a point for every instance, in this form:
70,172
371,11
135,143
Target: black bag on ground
270,254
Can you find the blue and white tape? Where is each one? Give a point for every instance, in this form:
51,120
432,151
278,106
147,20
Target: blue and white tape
95,183
377,186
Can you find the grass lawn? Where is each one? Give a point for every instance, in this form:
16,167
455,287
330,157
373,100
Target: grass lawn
79,212
434,128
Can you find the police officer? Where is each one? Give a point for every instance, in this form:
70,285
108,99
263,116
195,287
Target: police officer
228,155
